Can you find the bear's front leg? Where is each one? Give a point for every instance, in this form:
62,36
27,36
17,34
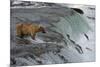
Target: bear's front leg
33,36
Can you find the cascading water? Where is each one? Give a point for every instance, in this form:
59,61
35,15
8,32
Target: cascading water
63,25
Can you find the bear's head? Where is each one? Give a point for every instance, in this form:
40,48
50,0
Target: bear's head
41,29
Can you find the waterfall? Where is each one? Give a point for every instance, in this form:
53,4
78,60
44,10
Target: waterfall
71,27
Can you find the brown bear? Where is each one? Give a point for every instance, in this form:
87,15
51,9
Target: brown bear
28,29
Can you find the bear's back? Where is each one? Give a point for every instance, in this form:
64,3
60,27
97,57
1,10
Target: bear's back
27,28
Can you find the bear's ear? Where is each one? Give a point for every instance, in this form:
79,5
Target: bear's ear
40,25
